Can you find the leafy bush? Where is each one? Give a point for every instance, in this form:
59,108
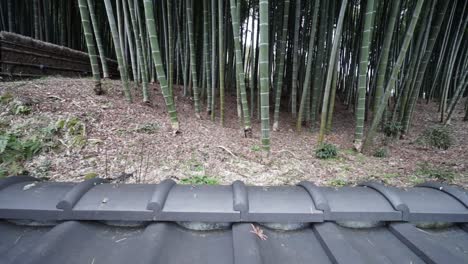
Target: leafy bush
326,151
392,129
196,180
381,153
438,137
14,151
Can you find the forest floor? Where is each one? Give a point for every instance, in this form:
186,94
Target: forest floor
132,142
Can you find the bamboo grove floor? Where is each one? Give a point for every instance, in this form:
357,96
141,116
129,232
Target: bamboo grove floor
135,138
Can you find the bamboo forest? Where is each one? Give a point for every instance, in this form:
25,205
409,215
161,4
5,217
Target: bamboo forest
268,91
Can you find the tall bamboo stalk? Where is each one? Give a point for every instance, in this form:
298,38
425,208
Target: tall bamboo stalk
393,77
331,67
362,80
97,35
264,74
156,54
240,69
85,21
280,70
193,64
118,49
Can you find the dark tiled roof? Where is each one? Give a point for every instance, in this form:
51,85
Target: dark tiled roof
84,223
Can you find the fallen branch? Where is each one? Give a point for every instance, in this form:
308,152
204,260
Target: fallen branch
228,151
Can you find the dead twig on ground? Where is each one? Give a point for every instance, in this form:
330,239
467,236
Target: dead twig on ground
228,151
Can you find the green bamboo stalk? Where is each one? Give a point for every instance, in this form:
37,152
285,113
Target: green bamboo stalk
139,45
213,59
85,21
332,97
207,56
128,34
331,67
221,60
423,66
295,55
264,75
393,76
307,79
193,64
280,69
457,96
319,62
151,28
97,35
170,48
382,67
118,49
240,69
362,80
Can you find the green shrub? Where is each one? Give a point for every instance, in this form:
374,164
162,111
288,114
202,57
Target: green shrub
196,180
326,151
438,137
392,129
381,153
14,151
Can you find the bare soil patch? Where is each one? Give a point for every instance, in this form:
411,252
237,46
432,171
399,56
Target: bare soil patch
132,142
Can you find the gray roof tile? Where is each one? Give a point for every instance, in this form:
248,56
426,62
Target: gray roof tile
80,217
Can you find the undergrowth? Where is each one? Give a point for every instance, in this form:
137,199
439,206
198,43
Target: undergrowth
197,180
326,151
438,173
438,137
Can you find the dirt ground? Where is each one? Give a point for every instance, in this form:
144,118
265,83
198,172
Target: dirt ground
133,142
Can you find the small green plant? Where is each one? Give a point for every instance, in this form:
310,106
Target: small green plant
72,129
438,137
326,151
255,148
338,183
196,180
20,109
441,174
392,129
15,150
90,175
381,153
